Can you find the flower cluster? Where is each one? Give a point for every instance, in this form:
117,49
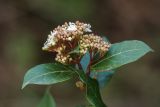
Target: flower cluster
64,39
94,43
67,32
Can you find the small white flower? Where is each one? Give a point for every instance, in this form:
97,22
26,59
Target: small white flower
69,38
53,33
87,28
51,38
51,41
72,27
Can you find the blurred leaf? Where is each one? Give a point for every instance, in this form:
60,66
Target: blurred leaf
84,106
61,9
81,106
21,48
47,100
46,74
120,54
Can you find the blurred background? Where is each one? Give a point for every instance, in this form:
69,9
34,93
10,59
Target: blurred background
25,24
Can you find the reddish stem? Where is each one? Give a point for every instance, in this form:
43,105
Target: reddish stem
79,66
101,57
88,68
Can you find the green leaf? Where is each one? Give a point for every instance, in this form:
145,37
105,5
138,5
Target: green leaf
92,90
85,61
120,54
46,74
47,100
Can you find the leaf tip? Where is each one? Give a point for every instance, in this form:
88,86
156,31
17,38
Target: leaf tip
152,50
24,85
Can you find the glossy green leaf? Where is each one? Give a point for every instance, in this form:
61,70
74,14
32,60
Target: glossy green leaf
46,74
85,61
120,54
47,100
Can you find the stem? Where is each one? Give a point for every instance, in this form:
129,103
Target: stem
101,57
88,68
70,45
49,87
79,66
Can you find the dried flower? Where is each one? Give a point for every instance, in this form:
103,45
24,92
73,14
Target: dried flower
80,85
